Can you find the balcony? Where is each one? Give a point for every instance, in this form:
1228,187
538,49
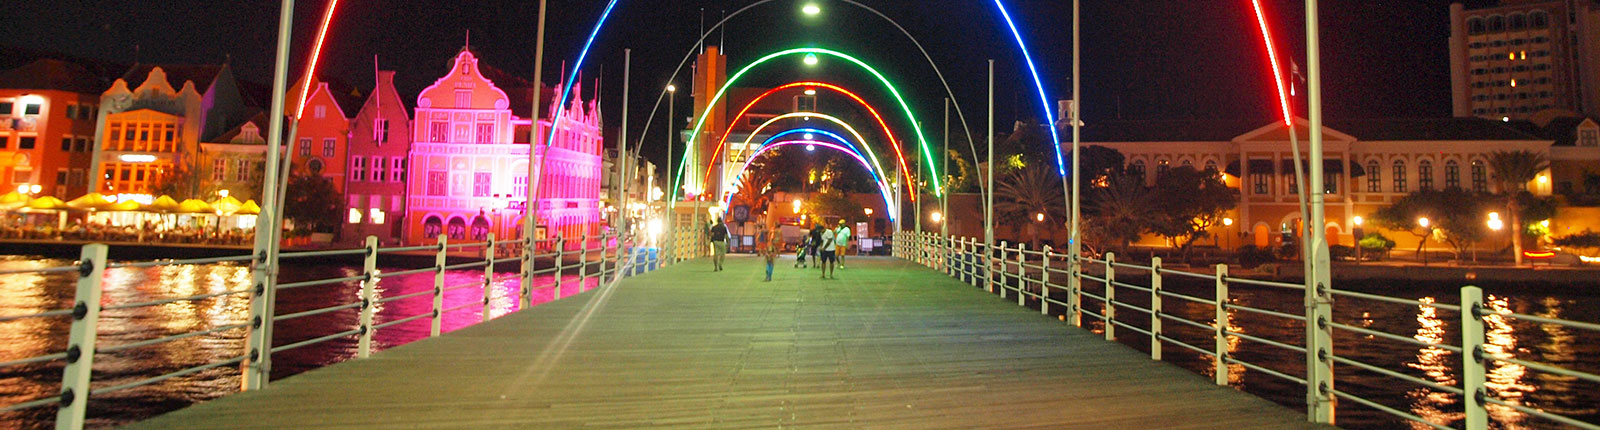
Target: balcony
23,124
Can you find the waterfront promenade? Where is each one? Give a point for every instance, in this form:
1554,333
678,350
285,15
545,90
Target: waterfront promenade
889,345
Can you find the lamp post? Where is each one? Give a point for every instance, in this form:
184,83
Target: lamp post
1495,224
1422,248
1358,233
1228,223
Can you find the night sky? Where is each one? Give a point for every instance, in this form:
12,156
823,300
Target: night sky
1142,59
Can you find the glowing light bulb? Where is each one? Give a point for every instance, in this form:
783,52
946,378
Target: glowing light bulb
811,9
811,59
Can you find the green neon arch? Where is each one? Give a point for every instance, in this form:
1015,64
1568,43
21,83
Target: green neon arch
916,125
726,180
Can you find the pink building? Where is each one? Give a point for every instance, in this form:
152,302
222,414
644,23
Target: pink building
468,161
375,183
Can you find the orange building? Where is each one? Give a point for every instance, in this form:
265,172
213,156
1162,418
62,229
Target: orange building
47,113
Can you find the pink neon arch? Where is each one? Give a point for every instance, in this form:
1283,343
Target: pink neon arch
883,188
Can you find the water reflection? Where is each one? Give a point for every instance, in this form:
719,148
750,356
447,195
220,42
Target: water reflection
1436,364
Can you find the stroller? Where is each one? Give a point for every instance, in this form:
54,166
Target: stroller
800,252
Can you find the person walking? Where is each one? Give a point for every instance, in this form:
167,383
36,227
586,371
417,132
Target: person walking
719,243
841,240
815,245
769,248
800,251
829,255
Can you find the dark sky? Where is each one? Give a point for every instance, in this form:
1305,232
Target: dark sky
1142,59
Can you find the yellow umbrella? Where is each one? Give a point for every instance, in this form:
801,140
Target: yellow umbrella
194,206
91,201
124,206
47,203
162,204
227,205
248,208
12,200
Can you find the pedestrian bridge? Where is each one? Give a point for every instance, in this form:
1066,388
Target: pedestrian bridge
890,344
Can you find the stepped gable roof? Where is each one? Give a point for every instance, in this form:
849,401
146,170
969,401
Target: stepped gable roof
54,74
201,74
259,117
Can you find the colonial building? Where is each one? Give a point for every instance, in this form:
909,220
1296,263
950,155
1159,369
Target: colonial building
147,129
323,134
47,113
468,162
235,161
375,184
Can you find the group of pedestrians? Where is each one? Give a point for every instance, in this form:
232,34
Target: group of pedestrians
827,247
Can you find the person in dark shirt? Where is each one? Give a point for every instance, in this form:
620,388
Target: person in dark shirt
719,243
816,240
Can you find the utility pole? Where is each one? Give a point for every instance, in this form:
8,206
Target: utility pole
1075,199
257,363
623,159
1320,407
988,202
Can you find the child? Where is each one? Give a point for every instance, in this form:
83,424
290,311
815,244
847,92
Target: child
770,249
800,251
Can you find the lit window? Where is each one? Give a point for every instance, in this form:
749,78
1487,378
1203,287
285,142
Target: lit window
377,215
355,216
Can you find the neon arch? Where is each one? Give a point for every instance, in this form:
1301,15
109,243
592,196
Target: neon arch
877,174
883,188
826,117
915,124
1044,102
853,96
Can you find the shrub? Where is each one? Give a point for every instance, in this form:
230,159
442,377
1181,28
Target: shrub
1376,245
1251,256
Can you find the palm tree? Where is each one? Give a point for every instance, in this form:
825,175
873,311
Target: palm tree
1122,210
1023,195
1512,171
755,189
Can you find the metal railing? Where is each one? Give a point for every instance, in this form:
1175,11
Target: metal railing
594,261
1094,288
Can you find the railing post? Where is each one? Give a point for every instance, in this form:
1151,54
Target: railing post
437,321
258,344
1022,274
561,256
583,262
1075,289
994,283
369,269
1221,353
74,406
1110,314
525,287
1044,281
1155,308
1472,366
488,276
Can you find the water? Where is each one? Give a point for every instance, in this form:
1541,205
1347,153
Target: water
1544,343
29,293
22,294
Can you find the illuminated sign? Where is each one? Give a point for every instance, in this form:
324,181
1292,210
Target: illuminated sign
136,158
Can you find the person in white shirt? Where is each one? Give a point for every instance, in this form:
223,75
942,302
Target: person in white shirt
828,252
841,238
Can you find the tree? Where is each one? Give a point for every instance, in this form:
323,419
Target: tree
1512,171
183,182
313,204
1192,202
1123,210
1587,242
755,189
1455,217
1024,194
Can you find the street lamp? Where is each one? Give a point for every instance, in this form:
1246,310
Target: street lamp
1357,233
811,92
868,211
811,10
222,194
811,59
1228,222
1494,221
936,217
796,205
1038,217
1422,248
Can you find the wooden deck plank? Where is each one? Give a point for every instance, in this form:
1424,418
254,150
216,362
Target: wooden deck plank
892,345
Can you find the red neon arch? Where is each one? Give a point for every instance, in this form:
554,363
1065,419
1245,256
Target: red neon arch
316,54
893,142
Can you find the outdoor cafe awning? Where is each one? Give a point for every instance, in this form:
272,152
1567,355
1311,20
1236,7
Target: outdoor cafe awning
91,201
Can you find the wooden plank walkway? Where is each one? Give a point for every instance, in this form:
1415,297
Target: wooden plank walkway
889,345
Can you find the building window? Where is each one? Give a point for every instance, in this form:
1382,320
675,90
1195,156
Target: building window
30,109
26,142
481,185
805,104
1374,178
438,183
1425,175
1294,183
80,145
1480,177
485,133
6,108
219,169
1137,170
1452,174
380,130
319,112
463,99
439,131
1588,138
457,229
4,141
520,187
305,147
1162,167
431,227
1258,182
397,166
1330,182
61,177
66,144
327,147
358,171
243,170
1399,176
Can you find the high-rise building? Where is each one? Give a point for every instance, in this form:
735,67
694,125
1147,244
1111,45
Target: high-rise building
1520,57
